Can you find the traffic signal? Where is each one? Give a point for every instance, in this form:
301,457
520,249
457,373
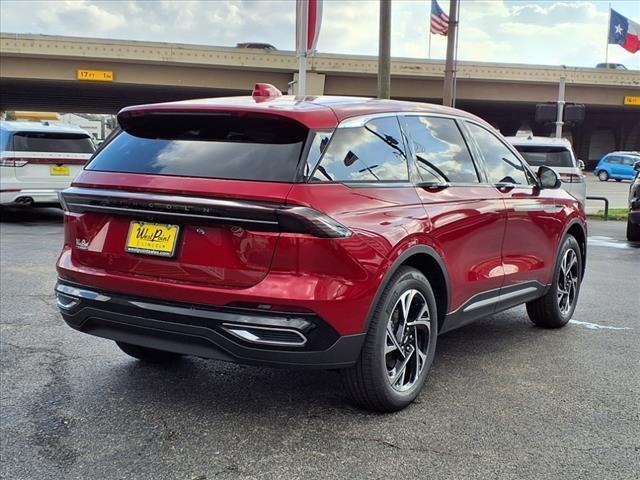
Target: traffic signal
548,113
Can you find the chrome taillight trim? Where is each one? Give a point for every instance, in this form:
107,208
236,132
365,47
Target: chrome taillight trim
168,215
262,215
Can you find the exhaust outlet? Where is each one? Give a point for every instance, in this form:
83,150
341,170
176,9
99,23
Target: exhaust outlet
24,201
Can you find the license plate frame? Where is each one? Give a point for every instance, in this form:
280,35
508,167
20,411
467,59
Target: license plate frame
59,171
144,246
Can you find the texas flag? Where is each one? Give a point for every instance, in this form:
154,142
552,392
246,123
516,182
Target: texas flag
624,32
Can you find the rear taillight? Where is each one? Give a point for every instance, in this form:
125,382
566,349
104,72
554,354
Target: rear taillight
22,161
308,220
572,177
13,162
175,208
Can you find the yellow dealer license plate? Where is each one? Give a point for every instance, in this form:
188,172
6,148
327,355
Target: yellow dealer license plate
59,170
152,238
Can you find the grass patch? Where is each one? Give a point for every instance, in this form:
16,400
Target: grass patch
614,214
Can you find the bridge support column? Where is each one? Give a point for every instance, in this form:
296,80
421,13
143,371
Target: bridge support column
314,86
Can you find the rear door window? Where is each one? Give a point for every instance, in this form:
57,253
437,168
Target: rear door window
502,165
52,142
537,156
236,146
440,150
370,153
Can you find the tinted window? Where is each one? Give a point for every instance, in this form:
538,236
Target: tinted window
371,153
502,165
549,156
614,160
441,153
316,149
228,146
628,160
52,142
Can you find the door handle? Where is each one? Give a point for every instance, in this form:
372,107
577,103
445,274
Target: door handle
504,186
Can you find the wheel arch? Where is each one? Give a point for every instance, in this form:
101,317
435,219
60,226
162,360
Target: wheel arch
430,264
576,229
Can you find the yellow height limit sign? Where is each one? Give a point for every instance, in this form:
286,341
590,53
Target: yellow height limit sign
632,100
95,75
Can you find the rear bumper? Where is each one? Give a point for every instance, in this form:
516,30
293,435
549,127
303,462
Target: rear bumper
234,335
29,196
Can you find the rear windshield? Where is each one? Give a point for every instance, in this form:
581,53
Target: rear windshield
52,142
549,156
237,146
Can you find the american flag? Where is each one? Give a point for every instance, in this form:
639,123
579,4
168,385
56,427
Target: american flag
439,20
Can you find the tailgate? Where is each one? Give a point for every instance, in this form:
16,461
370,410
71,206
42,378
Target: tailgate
189,197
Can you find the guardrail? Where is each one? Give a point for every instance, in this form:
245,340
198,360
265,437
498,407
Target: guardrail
606,205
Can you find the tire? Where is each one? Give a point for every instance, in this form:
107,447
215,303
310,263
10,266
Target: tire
603,176
633,232
145,354
369,382
555,308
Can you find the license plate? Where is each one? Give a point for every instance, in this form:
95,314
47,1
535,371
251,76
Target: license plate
152,238
59,170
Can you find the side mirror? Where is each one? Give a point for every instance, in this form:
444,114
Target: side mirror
548,178
636,166
580,164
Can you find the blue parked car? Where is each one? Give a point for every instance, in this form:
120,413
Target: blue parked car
617,165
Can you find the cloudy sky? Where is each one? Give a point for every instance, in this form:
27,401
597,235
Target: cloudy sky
548,32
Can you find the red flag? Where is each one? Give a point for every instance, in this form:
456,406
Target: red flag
312,10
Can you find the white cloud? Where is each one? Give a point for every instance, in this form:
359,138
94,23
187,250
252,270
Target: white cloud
518,31
57,15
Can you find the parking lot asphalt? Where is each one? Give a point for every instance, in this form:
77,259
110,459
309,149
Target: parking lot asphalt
504,399
616,192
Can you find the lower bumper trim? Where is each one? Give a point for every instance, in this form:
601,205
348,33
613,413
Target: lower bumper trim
199,332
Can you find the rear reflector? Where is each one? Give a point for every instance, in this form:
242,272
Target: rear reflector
180,209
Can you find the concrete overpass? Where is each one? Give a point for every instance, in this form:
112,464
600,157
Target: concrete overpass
41,72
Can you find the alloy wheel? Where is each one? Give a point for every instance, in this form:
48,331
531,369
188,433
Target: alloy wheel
567,281
407,340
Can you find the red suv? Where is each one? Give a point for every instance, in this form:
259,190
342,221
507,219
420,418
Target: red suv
324,232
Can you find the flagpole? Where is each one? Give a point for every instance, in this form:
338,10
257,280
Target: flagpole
606,50
455,58
449,66
429,40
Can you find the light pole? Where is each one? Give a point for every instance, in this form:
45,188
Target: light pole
384,50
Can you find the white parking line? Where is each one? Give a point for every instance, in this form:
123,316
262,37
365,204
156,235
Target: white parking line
607,242
595,326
